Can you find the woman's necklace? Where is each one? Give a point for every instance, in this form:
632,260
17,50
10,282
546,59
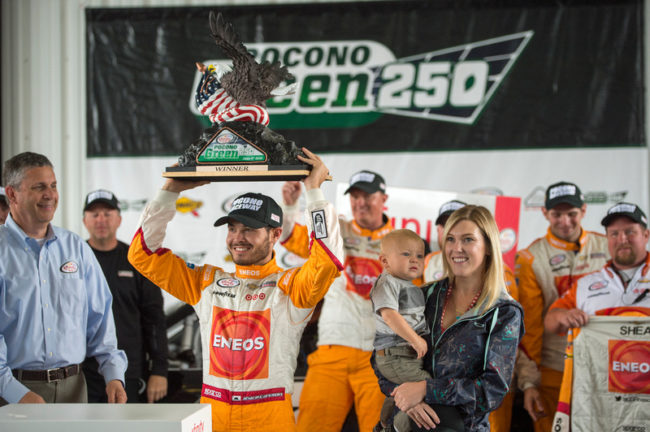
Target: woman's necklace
444,308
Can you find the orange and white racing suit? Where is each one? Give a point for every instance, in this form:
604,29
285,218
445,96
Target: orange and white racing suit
433,268
600,293
251,320
339,371
544,271
500,418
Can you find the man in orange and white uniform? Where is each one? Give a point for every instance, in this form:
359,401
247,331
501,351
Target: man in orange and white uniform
622,286
500,418
544,271
251,320
339,371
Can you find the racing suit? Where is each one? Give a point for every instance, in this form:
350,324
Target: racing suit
251,320
433,270
339,371
599,293
544,271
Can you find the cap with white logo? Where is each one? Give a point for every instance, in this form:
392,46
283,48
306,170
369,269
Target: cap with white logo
253,210
563,193
367,181
447,209
101,196
628,210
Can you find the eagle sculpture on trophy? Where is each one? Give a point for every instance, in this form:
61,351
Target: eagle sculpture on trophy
239,145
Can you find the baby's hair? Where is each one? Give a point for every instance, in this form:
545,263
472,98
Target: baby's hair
397,235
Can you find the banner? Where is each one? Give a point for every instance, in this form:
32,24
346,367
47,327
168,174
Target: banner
381,76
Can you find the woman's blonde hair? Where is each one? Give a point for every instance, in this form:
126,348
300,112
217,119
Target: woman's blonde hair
493,283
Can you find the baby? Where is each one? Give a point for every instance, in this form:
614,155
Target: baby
399,309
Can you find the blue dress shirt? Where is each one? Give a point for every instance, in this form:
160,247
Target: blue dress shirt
55,307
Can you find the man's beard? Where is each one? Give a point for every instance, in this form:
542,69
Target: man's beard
628,258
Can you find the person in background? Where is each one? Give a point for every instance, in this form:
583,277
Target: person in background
4,206
339,373
544,271
433,268
137,307
621,282
621,287
55,304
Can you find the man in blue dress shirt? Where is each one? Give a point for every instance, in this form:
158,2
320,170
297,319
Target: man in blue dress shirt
55,305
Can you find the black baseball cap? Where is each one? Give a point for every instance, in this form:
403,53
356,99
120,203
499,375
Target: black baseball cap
367,181
101,196
563,193
254,210
629,210
447,209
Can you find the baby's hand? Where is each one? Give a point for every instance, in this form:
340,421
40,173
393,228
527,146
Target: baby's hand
420,347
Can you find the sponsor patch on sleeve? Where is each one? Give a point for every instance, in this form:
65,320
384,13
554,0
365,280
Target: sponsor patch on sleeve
318,222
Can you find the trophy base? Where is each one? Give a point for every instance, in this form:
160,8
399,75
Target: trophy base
242,172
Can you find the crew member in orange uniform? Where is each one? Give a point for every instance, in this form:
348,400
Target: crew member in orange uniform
544,271
339,371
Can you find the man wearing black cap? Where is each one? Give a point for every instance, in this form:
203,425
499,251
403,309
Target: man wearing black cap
622,283
4,206
545,271
252,319
137,307
433,262
339,373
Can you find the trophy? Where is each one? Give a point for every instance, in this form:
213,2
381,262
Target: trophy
239,146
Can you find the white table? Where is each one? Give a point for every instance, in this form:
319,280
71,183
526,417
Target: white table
106,418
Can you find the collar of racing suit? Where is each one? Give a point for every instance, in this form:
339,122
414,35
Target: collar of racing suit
373,234
565,245
257,271
611,269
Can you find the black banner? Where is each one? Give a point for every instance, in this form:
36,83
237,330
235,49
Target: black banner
382,76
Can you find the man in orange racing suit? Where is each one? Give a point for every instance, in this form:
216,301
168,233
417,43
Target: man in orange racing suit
251,320
544,271
339,371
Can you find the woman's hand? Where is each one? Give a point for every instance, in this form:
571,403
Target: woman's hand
409,394
424,416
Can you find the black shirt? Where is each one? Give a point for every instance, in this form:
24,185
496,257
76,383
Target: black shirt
138,312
